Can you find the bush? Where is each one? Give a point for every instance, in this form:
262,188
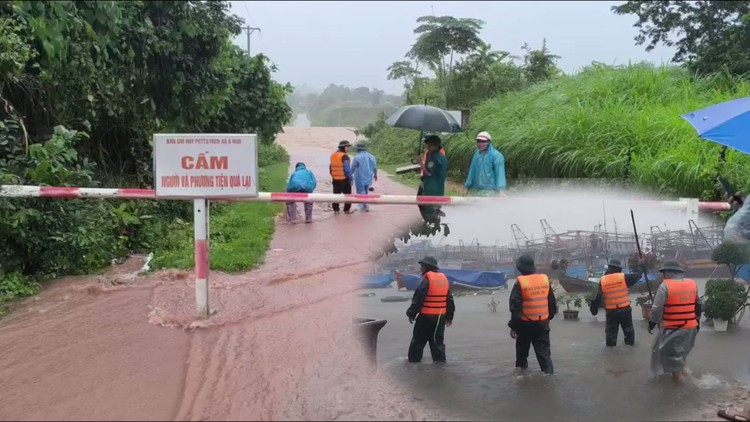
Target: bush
48,237
732,254
724,298
567,300
391,145
269,154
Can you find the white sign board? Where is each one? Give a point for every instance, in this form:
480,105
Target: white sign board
456,115
205,165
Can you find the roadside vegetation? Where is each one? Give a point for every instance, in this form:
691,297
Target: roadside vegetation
83,88
241,232
616,123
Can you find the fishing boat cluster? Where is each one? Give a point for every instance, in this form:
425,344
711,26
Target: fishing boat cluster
574,259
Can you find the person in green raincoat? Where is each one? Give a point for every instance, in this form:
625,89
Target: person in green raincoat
433,180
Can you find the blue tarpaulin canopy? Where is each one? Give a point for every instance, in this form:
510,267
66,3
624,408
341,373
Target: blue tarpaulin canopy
466,278
377,281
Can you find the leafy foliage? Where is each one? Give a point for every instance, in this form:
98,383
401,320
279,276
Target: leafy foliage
712,35
441,36
464,82
83,87
567,300
539,65
724,298
732,254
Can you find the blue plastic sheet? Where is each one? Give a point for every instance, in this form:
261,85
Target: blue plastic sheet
378,281
476,279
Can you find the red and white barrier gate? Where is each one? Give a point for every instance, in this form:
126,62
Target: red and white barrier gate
18,191
201,212
224,167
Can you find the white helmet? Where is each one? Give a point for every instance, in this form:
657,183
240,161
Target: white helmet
484,136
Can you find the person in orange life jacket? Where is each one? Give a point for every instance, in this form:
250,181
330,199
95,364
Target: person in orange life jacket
532,306
433,301
677,309
613,289
341,173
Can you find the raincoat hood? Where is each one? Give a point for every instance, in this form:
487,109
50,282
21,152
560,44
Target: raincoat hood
301,180
487,170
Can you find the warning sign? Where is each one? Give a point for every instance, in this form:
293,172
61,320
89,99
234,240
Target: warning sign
205,165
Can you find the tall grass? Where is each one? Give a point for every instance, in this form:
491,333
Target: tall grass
582,126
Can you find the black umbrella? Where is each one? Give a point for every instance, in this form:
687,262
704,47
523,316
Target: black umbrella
423,118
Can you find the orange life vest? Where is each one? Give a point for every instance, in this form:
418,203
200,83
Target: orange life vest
534,291
679,310
615,291
437,294
337,165
424,161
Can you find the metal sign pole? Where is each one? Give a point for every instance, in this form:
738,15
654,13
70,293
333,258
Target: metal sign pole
200,221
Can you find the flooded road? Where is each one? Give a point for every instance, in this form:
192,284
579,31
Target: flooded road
279,348
590,382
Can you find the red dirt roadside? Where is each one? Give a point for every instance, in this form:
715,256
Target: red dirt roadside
280,347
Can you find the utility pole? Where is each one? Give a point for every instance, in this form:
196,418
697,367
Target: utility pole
249,30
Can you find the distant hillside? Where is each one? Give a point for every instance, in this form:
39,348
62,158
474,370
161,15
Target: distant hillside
343,106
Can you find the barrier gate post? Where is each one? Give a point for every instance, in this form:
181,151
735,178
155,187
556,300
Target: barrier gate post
202,260
202,167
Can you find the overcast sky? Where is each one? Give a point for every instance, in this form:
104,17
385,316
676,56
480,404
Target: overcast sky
353,42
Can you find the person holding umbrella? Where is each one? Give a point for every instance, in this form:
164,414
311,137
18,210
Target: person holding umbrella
341,174
433,181
487,171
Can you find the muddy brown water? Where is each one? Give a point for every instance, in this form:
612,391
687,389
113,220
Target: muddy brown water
280,347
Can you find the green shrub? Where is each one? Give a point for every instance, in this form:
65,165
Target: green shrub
49,237
723,299
269,154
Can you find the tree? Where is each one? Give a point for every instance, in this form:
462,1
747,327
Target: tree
441,36
539,65
482,74
405,71
711,35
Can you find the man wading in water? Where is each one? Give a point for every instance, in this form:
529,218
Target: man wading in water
433,300
613,289
677,308
532,306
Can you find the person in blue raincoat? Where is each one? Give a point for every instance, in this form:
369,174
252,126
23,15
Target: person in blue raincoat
364,170
302,180
487,172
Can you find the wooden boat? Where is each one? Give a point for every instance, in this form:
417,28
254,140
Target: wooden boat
572,284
